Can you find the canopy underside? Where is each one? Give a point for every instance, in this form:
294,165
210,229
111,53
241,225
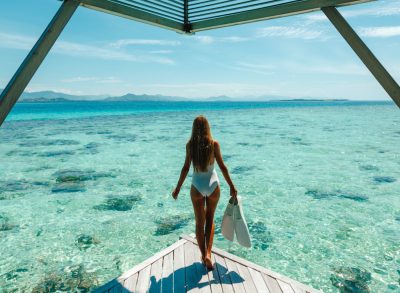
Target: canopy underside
190,16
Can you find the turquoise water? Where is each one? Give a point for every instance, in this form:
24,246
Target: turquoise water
85,195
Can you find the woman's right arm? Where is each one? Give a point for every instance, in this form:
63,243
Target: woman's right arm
224,169
184,172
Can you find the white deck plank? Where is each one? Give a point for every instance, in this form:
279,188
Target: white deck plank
179,270
168,273
298,290
272,284
223,274
286,288
152,259
190,269
237,280
143,281
248,280
258,281
156,276
213,277
130,284
204,283
264,270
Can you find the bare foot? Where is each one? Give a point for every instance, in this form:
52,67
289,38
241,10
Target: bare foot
208,263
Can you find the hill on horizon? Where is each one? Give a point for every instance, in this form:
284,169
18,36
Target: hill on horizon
52,96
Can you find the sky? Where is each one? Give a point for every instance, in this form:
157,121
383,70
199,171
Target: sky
295,57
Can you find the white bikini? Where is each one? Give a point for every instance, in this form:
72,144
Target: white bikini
205,182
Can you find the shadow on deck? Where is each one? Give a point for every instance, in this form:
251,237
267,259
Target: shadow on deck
178,269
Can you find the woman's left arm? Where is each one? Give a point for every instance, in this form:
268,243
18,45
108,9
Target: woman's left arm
184,172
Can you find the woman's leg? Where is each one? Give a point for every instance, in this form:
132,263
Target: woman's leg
198,202
211,204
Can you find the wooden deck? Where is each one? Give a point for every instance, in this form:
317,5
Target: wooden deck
178,269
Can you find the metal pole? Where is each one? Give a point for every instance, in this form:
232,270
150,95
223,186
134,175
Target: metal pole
365,54
186,24
25,72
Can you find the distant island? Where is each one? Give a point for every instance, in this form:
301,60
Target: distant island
133,97
56,97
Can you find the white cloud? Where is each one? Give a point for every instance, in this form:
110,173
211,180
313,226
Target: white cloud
161,52
245,69
79,79
125,42
234,39
307,67
110,79
16,41
382,9
21,42
256,66
379,9
337,69
204,39
380,32
299,32
264,69
307,29
318,16
75,49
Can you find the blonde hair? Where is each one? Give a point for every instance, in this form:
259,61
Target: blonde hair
201,144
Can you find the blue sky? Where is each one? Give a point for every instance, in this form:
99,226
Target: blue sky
300,56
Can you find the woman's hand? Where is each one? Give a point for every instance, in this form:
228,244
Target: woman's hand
233,192
175,192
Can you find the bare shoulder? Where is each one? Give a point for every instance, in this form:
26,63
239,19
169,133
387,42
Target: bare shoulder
216,148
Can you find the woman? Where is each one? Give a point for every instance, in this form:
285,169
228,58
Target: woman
203,151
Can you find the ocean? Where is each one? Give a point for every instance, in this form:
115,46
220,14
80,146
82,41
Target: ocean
85,189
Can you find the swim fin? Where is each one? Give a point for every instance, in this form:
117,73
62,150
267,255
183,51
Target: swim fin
228,226
241,229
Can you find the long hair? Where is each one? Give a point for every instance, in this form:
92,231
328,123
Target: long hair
201,144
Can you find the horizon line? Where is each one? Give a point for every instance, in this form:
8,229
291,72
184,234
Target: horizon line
252,98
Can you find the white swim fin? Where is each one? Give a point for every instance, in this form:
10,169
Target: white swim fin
241,229
228,225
